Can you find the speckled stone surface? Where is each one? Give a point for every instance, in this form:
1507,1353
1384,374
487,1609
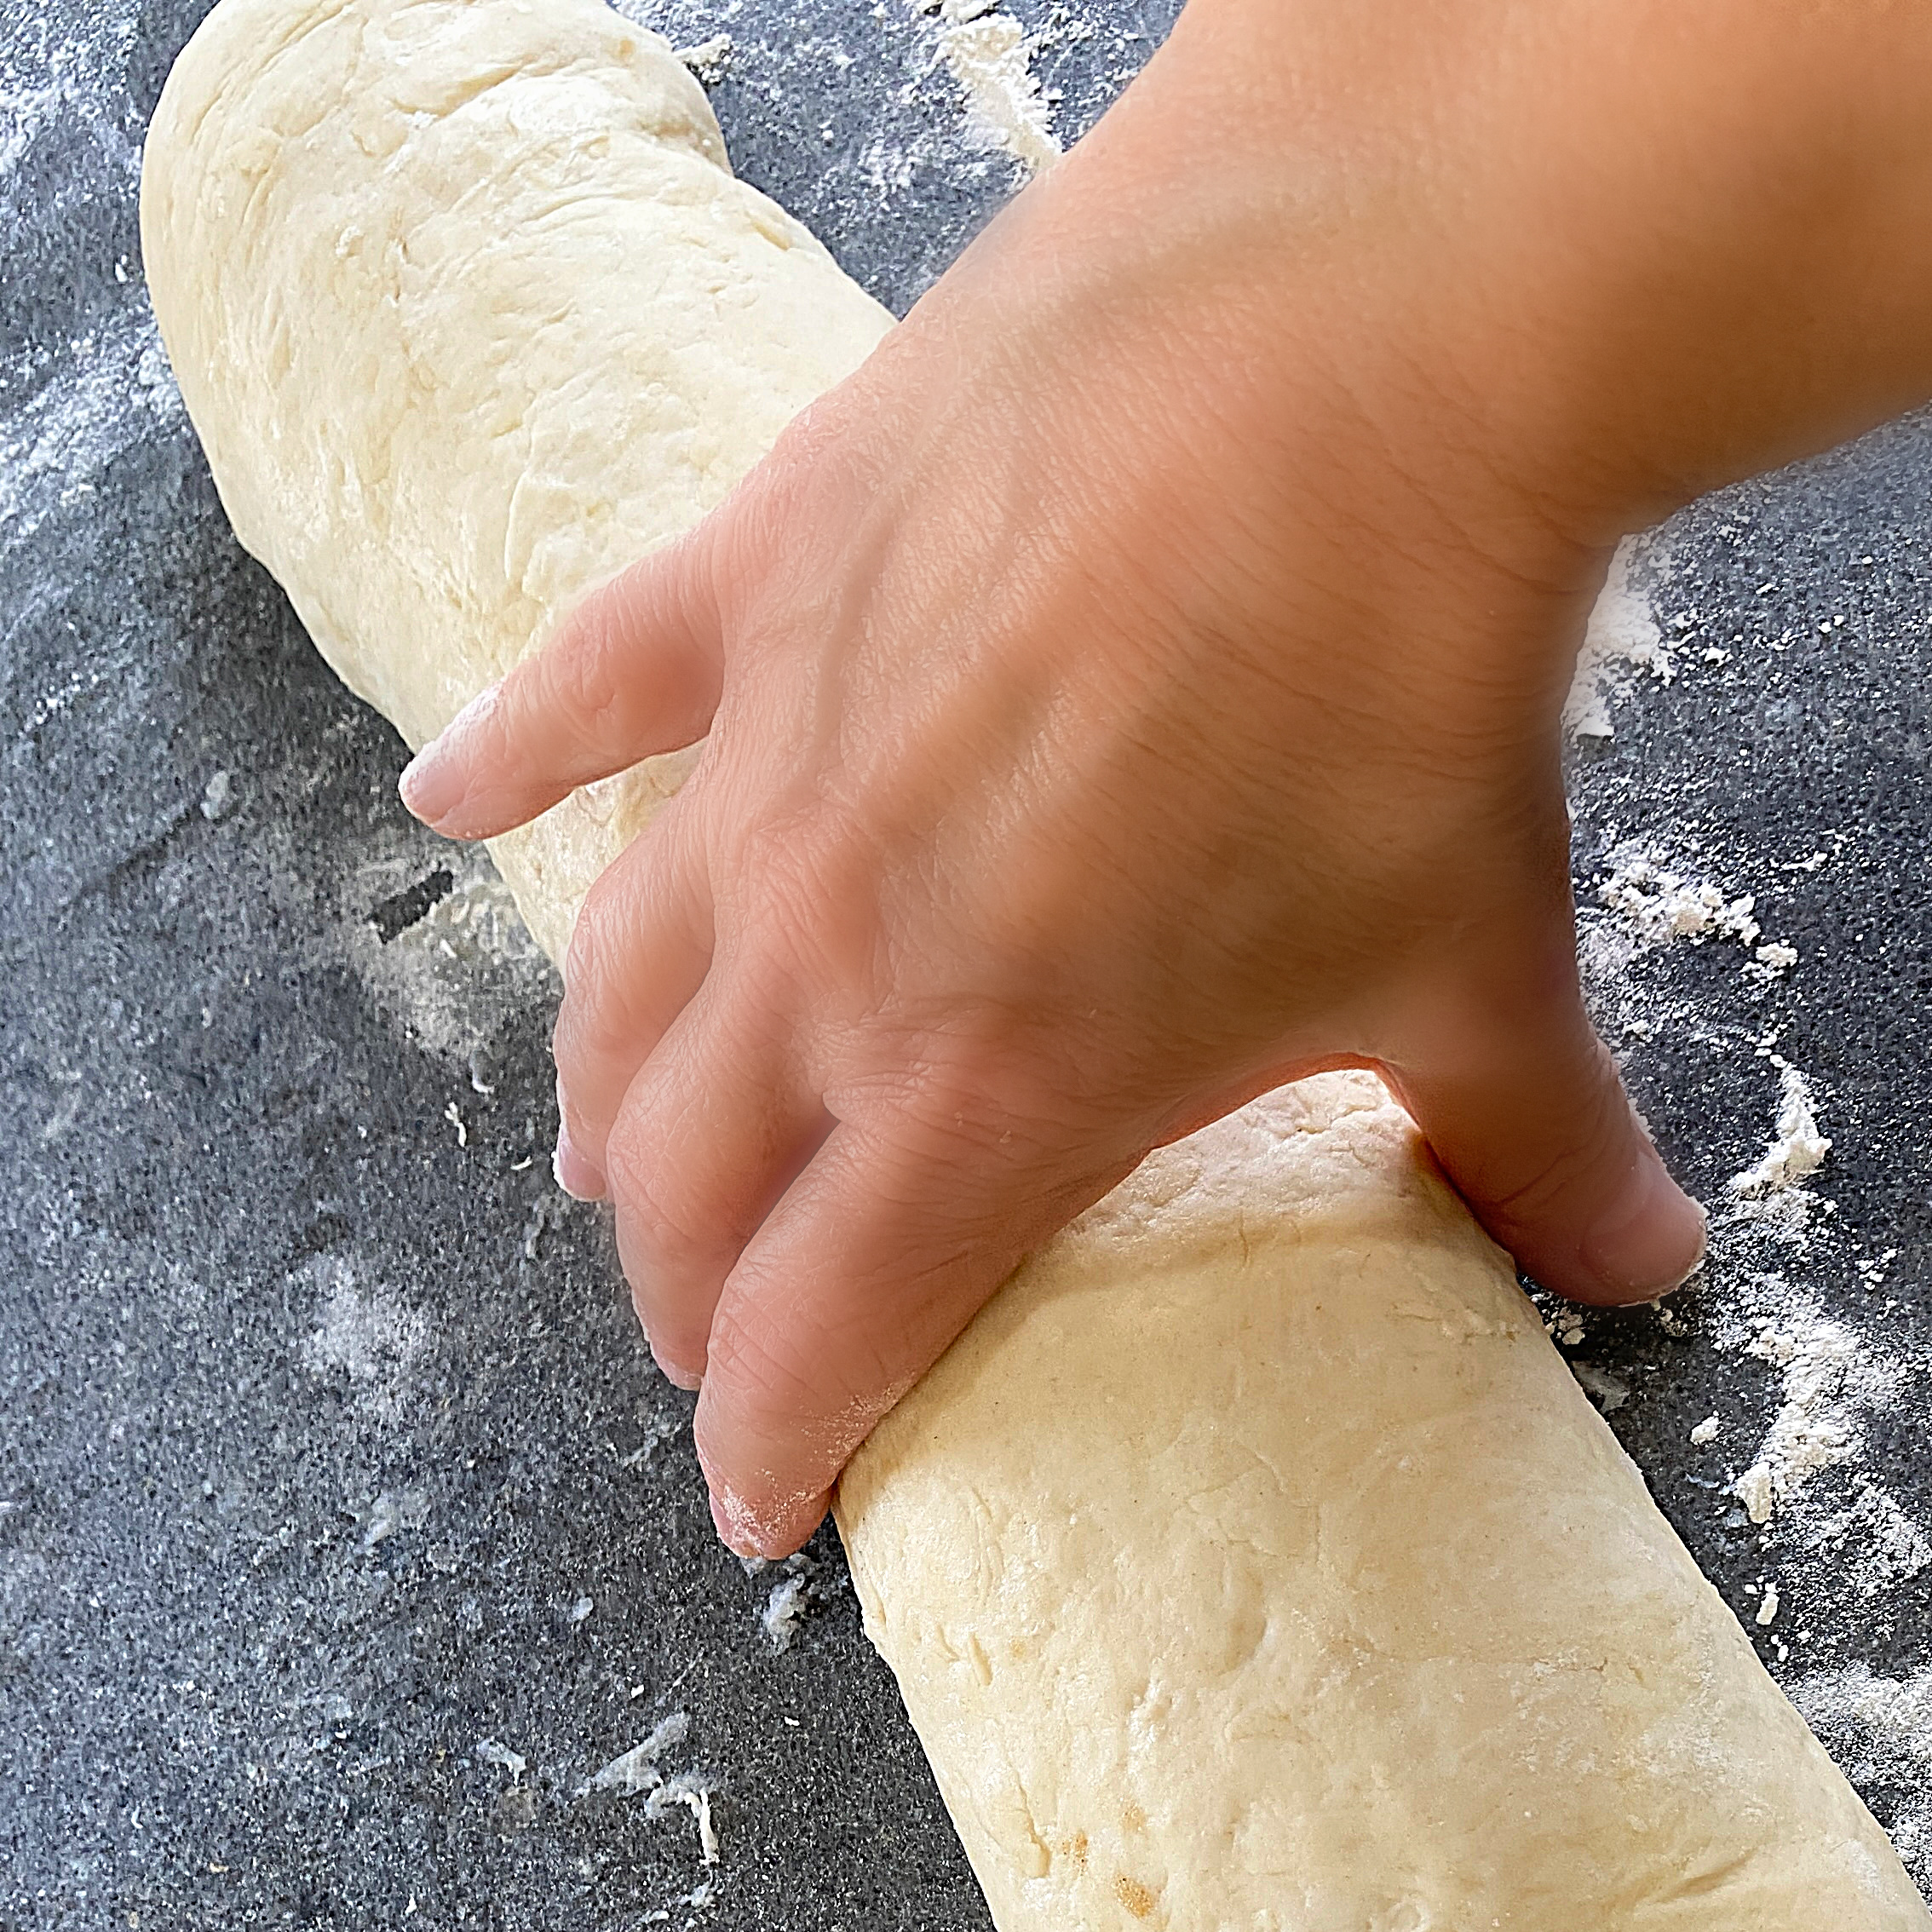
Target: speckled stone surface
346,1531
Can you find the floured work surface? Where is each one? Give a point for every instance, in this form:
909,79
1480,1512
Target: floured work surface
392,1531
1377,1623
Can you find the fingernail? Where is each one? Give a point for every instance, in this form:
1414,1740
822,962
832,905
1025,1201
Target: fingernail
1651,1239
684,1379
575,1175
733,1524
432,784
428,788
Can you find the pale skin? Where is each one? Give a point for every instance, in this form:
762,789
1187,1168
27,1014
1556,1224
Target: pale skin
1138,684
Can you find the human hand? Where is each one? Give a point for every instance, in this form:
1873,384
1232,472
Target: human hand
1136,687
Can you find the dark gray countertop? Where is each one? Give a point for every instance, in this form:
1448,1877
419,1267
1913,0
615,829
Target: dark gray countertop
345,1531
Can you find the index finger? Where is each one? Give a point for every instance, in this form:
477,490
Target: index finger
634,670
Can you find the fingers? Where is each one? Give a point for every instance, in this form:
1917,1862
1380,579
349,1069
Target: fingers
713,1130
1529,1118
638,953
873,1261
632,671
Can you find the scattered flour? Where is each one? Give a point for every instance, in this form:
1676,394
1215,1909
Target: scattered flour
1873,1268
1807,1476
1830,1379
115,391
549,1211
700,1898
1873,1543
394,1509
457,975
634,1773
364,1331
1797,1152
1880,1730
1606,1390
1622,639
491,1752
1811,1487
989,55
70,152
658,1429
636,1769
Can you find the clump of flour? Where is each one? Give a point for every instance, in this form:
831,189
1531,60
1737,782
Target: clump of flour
783,1610
1660,904
635,1774
989,55
794,1593
709,60
1797,1151
1622,642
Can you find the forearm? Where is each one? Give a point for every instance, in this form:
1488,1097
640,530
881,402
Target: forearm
1640,247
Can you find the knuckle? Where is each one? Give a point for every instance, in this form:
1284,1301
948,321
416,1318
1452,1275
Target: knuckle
794,921
605,950
751,1354
579,674
672,1233
991,1089
584,1043
750,565
590,936
745,531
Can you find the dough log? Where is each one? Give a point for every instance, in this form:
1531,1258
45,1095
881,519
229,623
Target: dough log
469,312
1255,1562
1252,1561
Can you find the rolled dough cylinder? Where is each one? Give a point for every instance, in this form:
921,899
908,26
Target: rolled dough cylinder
470,313
1253,1560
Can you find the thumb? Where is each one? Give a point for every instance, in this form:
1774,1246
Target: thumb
1528,1116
